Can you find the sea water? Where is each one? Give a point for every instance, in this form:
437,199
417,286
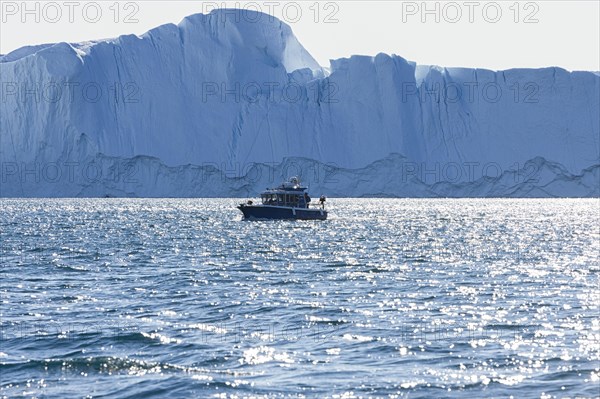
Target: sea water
155,298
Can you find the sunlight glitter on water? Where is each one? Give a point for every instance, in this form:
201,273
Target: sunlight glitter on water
415,298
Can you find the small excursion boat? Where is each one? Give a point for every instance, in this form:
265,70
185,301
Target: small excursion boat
288,201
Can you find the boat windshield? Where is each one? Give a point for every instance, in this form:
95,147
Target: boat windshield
294,200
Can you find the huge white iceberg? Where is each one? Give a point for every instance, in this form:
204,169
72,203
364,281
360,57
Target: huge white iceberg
225,106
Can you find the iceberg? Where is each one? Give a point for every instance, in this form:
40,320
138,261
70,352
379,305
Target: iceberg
219,106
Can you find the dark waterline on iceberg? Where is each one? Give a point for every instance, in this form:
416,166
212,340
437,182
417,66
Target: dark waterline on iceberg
394,298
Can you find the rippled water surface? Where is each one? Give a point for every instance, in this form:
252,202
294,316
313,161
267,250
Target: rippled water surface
388,298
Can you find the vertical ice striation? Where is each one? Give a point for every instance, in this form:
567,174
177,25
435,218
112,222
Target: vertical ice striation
231,89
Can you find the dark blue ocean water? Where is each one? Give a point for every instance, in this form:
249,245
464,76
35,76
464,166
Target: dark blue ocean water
122,298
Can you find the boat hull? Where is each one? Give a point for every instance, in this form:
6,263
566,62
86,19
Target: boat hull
266,212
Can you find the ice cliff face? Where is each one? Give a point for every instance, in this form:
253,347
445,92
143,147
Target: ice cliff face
225,105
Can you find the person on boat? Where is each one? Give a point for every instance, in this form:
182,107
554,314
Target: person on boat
306,199
322,201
